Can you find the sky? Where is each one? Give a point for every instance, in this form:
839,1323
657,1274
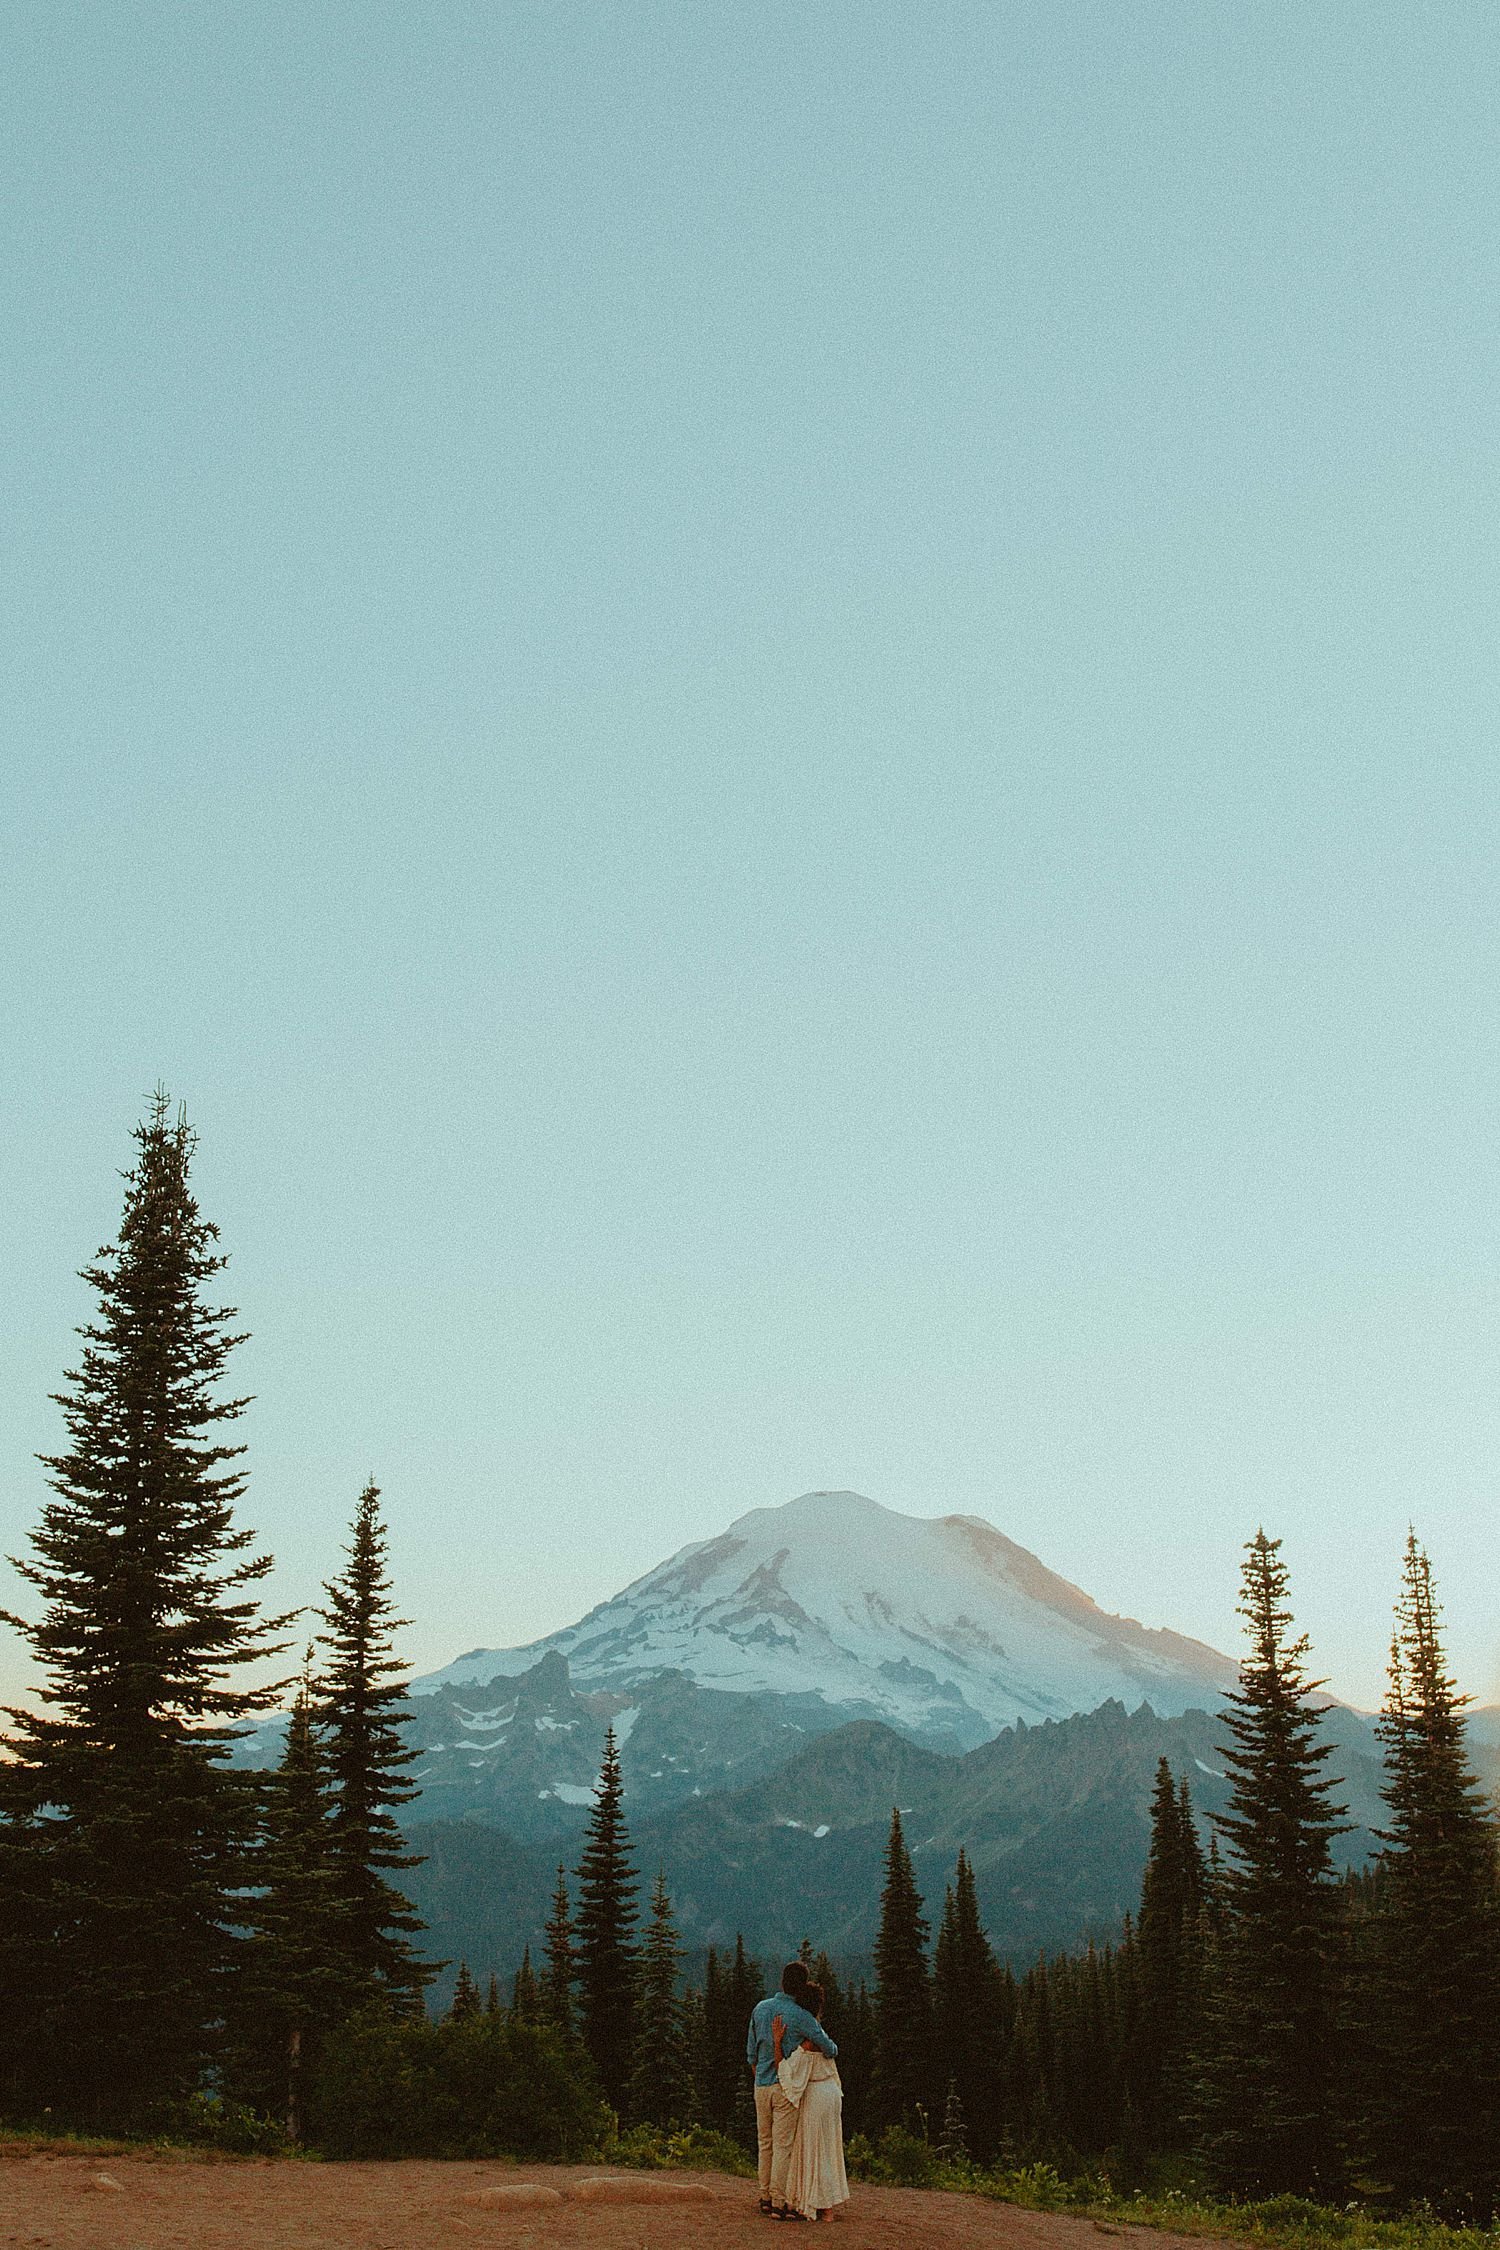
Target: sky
784,719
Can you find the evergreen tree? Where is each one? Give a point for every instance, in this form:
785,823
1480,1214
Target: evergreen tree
1089,2080
730,1991
465,1996
661,2084
746,1982
492,1997
713,2088
296,1981
1215,1893
1031,2106
1268,2089
746,1978
968,2013
27,1928
953,2147
903,1994
1167,1961
526,1996
856,2041
558,1971
691,2008
127,1833
604,1940
1436,2089
823,1972
358,1709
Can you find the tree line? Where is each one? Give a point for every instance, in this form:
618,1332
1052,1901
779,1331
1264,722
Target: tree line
170,1923
1265,2026
183,1937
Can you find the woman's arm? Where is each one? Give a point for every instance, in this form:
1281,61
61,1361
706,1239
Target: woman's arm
778,2033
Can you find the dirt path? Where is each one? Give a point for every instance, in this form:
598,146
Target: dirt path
157,2203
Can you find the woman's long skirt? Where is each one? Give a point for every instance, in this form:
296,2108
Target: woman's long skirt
816,2178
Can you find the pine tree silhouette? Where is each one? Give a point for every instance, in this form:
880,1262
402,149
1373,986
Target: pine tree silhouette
1267,2093
358,1709
604,1933
969,2013
1167,1957
465,2005
661,2084
856,2041
558,1968
903,1993
1436,2092
127,1835
730,1991
296,1982
526,1995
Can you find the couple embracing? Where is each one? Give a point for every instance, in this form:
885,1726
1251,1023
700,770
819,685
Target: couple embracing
799,2101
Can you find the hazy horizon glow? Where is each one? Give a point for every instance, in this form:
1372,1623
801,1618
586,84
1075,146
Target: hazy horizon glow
785,721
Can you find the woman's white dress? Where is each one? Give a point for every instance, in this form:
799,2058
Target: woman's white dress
815,2178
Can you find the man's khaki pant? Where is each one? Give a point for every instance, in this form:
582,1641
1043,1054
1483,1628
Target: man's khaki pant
775,2131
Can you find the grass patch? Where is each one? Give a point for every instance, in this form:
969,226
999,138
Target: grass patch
204,2131
16,2142
901,2159
675,2148
1283,2219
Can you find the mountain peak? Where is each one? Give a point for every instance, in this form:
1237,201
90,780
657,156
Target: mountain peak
815,1510
937,1625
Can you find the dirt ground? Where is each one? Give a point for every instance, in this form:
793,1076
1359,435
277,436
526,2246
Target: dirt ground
161,2203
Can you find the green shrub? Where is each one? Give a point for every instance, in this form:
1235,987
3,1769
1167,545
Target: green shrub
232,2128
1041,2187
1295,2214
485,2087
698,2148
898,2159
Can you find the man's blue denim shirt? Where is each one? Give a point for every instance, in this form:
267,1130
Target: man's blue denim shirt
760,2047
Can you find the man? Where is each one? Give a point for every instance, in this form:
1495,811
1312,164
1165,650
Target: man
775,2116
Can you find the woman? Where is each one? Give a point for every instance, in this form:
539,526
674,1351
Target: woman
815,2179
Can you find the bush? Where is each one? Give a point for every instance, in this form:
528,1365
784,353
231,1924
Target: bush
485,2087
898,2159
698,2148
233,2129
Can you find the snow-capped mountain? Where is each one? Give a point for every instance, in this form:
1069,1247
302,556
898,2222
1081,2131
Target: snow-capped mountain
942,1627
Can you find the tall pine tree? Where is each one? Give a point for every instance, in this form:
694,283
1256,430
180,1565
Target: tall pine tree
968,2015
1268,2100
661,2085
556,1981
903,1994
1167,1956
730,1990
128,1833
1436,2083
296,1986
525,1994
360,1722
604,1933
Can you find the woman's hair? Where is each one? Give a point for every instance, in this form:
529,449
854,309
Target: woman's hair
812,1999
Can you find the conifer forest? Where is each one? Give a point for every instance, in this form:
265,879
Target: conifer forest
188,1947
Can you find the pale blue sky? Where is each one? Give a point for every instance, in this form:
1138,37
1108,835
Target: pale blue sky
785,717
